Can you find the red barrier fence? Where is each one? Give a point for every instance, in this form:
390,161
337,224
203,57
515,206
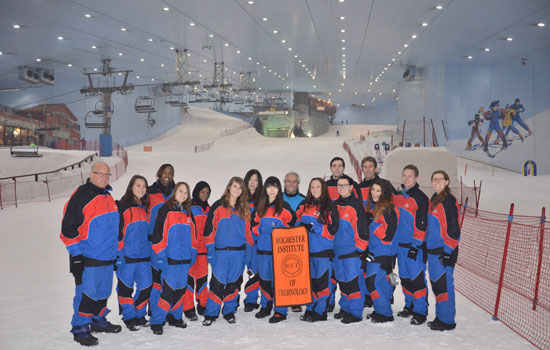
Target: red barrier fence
226,132
56,184
502,267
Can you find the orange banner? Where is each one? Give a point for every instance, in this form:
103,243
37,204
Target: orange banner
291,274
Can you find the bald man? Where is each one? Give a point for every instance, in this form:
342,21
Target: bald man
89,231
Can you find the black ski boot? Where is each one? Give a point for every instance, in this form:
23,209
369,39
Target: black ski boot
82,335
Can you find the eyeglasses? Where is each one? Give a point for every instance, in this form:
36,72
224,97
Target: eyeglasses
439,179
343,185
101,174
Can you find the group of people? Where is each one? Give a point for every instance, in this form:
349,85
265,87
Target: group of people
161,239
508,117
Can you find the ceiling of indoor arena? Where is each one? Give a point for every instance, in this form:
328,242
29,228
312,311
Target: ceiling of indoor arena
336,46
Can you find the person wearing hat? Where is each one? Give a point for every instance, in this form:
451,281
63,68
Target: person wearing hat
475,124
518,107
508,122
198,273
493,115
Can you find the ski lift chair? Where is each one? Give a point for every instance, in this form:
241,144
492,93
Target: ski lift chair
94,120
24,151
145,104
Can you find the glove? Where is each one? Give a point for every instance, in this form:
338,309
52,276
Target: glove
413,252
76,264
309,227
210,256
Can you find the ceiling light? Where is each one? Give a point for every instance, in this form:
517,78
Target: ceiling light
60,38
120,73
142,59
205,60
120,54
17,26
303,66
283,41
162,64
264,19
192,24
424,24
439,7
137,76
399,52
486,49
393,90
150,40
238,51
342,30
250,58
295,56
264,67
226,44
342,84
370,83
269,71
123,29
343,40
87,15
251,2
339,90
356,92
211,35
257,62
290,49
369,90
413,36
385,68
343,61
94,47
38,59
166,8
540,24
299,61
509,39
341,1
342,18
152,79
275,31
69,65
470,57
343,55
393,59
380,94
343,47
406,45
95,69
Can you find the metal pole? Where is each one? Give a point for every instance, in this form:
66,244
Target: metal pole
15,190
48,187
503,265
403,136
424,127
539,265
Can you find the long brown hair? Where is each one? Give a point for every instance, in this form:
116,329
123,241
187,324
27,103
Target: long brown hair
242,206
256,196
263,203
324,200
129,196
385,201
172,203
440,197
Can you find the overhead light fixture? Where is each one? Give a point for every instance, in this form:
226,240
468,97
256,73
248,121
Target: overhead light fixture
264,67
540,24
295,56
341,1
369,90
343,61
283,41
256,63
188,54
342,30
486,49
60,38
171,47
342,18
470,57
343,55
424,24
343,40
95,69
343,47
290,49
192,24
275,31
69,65
399,52
211,35
150,40
509,39
393,90
152,79
205,60
413,36
137,76
87,15
120,54
370,83
251,2
238,51
123,29
38,60
250,58
166,8
439,7
406,45
226,44
385,68
94,47
162,64
299,61
315,86
17,26
142,59
120,73
389,64
393,59
265,19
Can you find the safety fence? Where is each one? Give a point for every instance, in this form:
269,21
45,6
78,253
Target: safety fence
226,132
504,268
41,187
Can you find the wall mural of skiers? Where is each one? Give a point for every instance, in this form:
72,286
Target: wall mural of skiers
500,121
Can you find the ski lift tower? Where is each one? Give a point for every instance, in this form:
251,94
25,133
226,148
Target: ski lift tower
106,92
